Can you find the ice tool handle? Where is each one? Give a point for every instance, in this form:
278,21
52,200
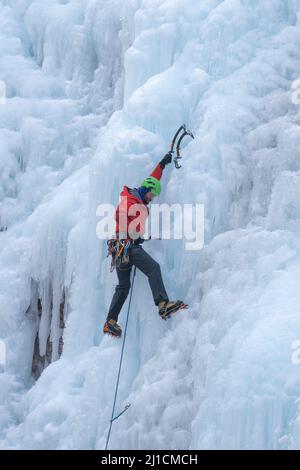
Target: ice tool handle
180,134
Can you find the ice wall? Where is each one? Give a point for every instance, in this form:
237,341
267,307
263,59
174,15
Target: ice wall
62,64
221,374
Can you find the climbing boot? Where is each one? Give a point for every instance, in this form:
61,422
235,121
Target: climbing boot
166,309
112,328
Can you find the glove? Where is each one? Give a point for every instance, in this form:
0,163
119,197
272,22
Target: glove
166,160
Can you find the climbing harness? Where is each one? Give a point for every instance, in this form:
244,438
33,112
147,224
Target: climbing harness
112,419
119,252
185,132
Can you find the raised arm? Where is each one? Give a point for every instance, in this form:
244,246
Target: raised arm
158,170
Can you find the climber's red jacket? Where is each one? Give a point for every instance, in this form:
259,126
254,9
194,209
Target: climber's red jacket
132,212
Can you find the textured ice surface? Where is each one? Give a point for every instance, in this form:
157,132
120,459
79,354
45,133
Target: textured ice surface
95,91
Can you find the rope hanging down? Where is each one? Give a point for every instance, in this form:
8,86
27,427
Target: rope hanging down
112,419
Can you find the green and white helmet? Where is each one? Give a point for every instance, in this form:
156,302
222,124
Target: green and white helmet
153,184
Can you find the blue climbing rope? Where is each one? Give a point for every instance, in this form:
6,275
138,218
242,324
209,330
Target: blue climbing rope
112,419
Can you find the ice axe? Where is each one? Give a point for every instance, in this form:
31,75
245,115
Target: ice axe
184,132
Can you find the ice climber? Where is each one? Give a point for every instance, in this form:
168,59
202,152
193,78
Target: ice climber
126,249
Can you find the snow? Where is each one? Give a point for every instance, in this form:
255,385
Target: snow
94,93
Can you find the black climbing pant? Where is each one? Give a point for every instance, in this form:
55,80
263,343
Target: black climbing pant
145,263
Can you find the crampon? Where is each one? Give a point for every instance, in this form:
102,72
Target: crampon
170,308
